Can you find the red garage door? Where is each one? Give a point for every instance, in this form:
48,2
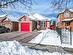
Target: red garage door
25,27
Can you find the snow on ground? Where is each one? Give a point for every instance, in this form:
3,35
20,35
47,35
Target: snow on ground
47,37
15,48
51,37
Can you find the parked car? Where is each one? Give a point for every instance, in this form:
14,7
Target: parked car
4,29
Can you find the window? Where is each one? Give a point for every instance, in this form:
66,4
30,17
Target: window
67,23
43,23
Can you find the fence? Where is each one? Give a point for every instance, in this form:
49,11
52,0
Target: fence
65,36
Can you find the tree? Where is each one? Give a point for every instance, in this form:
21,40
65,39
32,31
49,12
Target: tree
61,4
27,4
4,3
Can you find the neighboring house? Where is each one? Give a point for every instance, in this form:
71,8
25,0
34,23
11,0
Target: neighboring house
26,24
42,25
66,19
42,21
7,22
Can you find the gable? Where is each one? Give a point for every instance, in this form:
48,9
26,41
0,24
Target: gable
6,19
66,14
24,18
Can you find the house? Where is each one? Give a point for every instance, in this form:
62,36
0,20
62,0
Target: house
42,25
42,21
26,24
66,19
32,22
6,21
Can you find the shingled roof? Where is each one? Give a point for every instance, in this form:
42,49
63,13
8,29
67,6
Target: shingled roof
2,17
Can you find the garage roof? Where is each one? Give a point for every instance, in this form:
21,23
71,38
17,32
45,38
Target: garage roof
36,16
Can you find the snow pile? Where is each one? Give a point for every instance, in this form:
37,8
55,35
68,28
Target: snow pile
48,37
51,37
15,48
11,48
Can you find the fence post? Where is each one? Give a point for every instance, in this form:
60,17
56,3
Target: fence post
70,37
61,35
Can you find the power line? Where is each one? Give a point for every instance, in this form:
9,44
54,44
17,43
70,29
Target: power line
61,4
27,4
5,3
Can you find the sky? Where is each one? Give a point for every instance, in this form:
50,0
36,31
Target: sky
43,7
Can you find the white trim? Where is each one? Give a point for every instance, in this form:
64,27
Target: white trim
68,19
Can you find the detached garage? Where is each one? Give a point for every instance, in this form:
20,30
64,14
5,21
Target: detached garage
42,21
26,25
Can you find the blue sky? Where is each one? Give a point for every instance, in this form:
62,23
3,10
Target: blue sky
44,7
